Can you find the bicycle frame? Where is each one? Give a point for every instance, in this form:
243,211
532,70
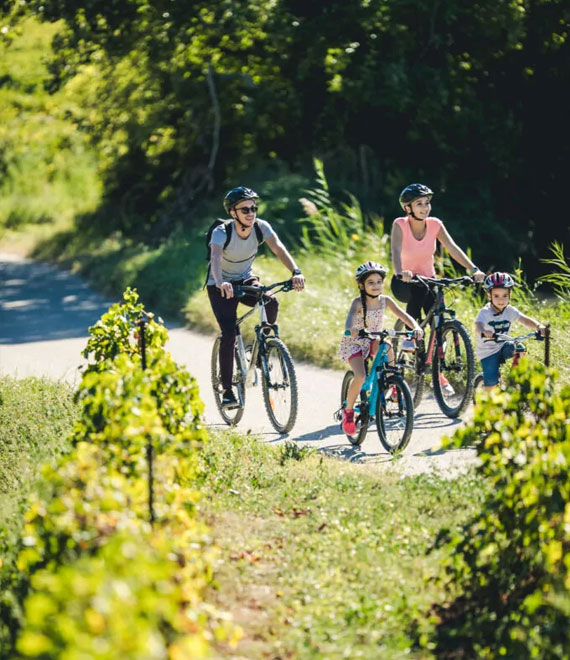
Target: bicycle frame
370,389
437,314
248,367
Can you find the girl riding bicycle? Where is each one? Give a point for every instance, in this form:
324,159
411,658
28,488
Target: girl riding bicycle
366,311
496,318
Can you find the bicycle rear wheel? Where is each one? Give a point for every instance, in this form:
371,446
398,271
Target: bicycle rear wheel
395,414
279,383
233,415
361,417
454,370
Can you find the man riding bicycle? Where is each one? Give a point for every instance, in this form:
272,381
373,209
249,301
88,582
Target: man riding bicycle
231,263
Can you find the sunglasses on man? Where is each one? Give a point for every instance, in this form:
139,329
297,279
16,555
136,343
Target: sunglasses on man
247,209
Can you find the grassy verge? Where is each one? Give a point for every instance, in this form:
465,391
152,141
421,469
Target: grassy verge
36,416
322,559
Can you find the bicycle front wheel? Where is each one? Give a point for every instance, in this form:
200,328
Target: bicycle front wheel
233,415
394,414
361,417
279,383
453,370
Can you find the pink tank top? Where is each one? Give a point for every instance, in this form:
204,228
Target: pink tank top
417,256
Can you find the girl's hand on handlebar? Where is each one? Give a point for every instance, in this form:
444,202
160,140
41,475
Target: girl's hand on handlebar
418,332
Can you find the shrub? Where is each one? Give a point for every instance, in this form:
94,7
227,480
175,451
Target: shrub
92,577
508,568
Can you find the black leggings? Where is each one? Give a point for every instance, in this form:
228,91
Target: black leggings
417,296
225,311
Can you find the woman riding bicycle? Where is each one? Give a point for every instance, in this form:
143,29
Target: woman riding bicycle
414,241
231,263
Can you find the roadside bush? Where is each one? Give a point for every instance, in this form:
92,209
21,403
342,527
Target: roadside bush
92,576
508,568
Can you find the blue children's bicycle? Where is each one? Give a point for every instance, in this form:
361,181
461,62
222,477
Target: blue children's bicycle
385,396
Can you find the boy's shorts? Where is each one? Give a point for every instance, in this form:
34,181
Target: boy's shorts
491,363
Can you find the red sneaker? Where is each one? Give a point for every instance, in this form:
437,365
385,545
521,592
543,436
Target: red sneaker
348,425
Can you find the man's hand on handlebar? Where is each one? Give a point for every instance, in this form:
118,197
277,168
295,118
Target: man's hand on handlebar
298,282
226,290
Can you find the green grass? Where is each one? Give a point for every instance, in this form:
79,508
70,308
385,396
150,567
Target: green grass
36,416
322,559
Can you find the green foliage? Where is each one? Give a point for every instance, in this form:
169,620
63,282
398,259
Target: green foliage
89,569
179,100
48,169
560,278
290,451
330,232
507,574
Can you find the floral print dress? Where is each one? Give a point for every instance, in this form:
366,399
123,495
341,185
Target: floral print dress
349,346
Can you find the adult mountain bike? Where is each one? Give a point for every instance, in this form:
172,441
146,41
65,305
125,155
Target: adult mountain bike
449,354
384,397
519,350
267,359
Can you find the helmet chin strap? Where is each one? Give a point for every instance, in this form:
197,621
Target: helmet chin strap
370,295
240,223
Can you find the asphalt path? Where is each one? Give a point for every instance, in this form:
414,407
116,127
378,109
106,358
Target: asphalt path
45,314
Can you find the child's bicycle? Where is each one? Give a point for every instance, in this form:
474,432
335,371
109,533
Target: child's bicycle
385,396
270,356
449,352
519,351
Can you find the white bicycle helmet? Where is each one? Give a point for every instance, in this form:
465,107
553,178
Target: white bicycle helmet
369,267
498,281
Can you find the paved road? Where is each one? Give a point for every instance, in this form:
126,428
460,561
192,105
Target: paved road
44,317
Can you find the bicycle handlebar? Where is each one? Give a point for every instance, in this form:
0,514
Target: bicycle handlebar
464,280
364,333
499,337
240,290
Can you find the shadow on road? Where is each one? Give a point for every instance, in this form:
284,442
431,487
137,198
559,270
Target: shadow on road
40,303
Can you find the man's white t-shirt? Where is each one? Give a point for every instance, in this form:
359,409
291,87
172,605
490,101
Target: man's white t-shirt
493,322
238,257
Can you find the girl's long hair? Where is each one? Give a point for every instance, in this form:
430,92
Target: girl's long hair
363,301
363,295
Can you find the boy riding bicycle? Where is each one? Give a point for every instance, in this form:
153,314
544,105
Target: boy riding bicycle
231,263
494,318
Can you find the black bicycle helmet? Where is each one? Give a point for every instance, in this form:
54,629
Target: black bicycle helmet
236,195
369,267
412,192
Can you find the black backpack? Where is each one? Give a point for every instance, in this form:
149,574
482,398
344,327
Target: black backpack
228,226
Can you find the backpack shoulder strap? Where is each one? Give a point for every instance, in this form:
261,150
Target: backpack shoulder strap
229,227
258,233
